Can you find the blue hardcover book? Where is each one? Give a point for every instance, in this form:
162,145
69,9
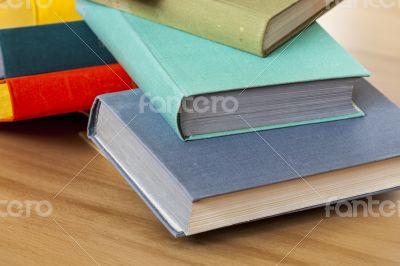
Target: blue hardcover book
308,80
202,185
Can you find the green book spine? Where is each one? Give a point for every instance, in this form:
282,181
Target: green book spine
143,57
236,23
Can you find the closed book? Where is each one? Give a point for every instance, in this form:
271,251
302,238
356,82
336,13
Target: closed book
257,26
36,12
50,48
59,92
202,185
54,69
308,80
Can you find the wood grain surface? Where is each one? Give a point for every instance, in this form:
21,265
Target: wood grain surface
98,220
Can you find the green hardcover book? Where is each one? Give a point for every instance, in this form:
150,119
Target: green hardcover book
255,26
206,90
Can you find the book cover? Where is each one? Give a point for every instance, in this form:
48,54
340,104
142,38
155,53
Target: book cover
60,92
35,12
51,48
177,65
236,23
214,167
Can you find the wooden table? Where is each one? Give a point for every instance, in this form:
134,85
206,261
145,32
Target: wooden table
98,219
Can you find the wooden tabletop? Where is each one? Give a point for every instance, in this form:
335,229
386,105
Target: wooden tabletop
97,219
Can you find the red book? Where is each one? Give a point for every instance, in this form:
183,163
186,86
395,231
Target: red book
59,92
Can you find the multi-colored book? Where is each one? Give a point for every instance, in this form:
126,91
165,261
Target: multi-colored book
36,12
54,69
199,186
308,80
257,27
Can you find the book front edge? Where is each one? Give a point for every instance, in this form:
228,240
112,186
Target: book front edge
92,136
359,113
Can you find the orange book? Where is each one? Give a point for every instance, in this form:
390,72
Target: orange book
59,92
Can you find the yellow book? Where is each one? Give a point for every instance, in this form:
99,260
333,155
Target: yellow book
36,12
6,110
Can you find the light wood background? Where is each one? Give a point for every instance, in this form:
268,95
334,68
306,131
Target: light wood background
98,219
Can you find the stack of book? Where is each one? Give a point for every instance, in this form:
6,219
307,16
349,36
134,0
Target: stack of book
246,110
49,69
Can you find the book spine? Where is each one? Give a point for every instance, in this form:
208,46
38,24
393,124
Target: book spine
209,19
91,133
129,49
12,17
33,12
65,91
51,48
6,113
56,11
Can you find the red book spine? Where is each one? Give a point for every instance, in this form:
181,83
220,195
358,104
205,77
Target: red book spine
65,91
